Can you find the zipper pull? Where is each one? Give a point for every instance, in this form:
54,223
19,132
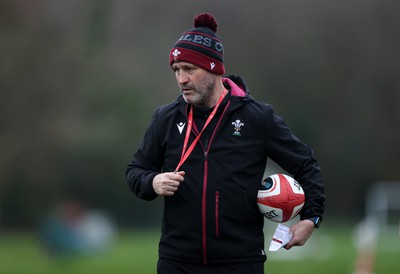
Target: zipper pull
205,155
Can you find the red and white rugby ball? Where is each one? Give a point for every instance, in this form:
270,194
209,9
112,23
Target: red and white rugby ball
280,198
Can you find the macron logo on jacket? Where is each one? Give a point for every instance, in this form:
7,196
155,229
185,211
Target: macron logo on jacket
181,126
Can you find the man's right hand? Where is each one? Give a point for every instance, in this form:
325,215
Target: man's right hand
166,184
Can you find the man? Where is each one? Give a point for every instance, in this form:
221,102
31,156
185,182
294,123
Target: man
206,153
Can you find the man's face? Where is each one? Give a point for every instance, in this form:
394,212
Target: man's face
196,84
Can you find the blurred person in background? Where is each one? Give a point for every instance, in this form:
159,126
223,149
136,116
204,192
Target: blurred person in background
206,153
73,229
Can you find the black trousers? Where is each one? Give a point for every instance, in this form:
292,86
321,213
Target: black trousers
173,267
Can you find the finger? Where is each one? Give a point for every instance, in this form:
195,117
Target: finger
172,188
293,242
168,193
169,188
172,183
165,192
178,176
288,246
181,173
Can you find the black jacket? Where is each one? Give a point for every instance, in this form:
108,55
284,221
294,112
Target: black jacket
213,217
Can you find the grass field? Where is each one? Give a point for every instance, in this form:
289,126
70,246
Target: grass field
329,251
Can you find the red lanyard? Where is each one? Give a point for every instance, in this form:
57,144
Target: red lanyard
186,153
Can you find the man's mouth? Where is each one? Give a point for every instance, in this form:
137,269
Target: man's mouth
186,90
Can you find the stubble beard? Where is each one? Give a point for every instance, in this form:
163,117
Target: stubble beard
202,92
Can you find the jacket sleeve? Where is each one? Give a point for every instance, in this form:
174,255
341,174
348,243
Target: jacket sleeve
146,164
298,159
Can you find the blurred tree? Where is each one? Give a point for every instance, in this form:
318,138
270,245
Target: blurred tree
80,80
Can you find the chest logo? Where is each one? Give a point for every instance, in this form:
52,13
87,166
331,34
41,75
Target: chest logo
181,126
237,126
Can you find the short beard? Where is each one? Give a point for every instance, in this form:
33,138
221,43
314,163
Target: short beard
203,92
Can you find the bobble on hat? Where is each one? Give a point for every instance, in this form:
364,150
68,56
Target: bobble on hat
200,46
205,20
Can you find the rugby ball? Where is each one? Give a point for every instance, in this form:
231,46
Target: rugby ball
280,198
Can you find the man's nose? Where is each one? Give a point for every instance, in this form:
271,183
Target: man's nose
182,78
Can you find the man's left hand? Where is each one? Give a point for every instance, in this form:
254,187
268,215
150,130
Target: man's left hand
301,231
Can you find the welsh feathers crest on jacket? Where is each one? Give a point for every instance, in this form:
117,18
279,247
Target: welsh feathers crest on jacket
237,125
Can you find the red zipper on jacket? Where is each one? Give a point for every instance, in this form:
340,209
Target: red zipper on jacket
217,213
203,208
205,181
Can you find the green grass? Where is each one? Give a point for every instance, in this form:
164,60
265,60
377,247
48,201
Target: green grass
329,251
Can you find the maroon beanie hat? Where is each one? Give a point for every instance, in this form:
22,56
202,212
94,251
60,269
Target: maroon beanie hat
200,46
